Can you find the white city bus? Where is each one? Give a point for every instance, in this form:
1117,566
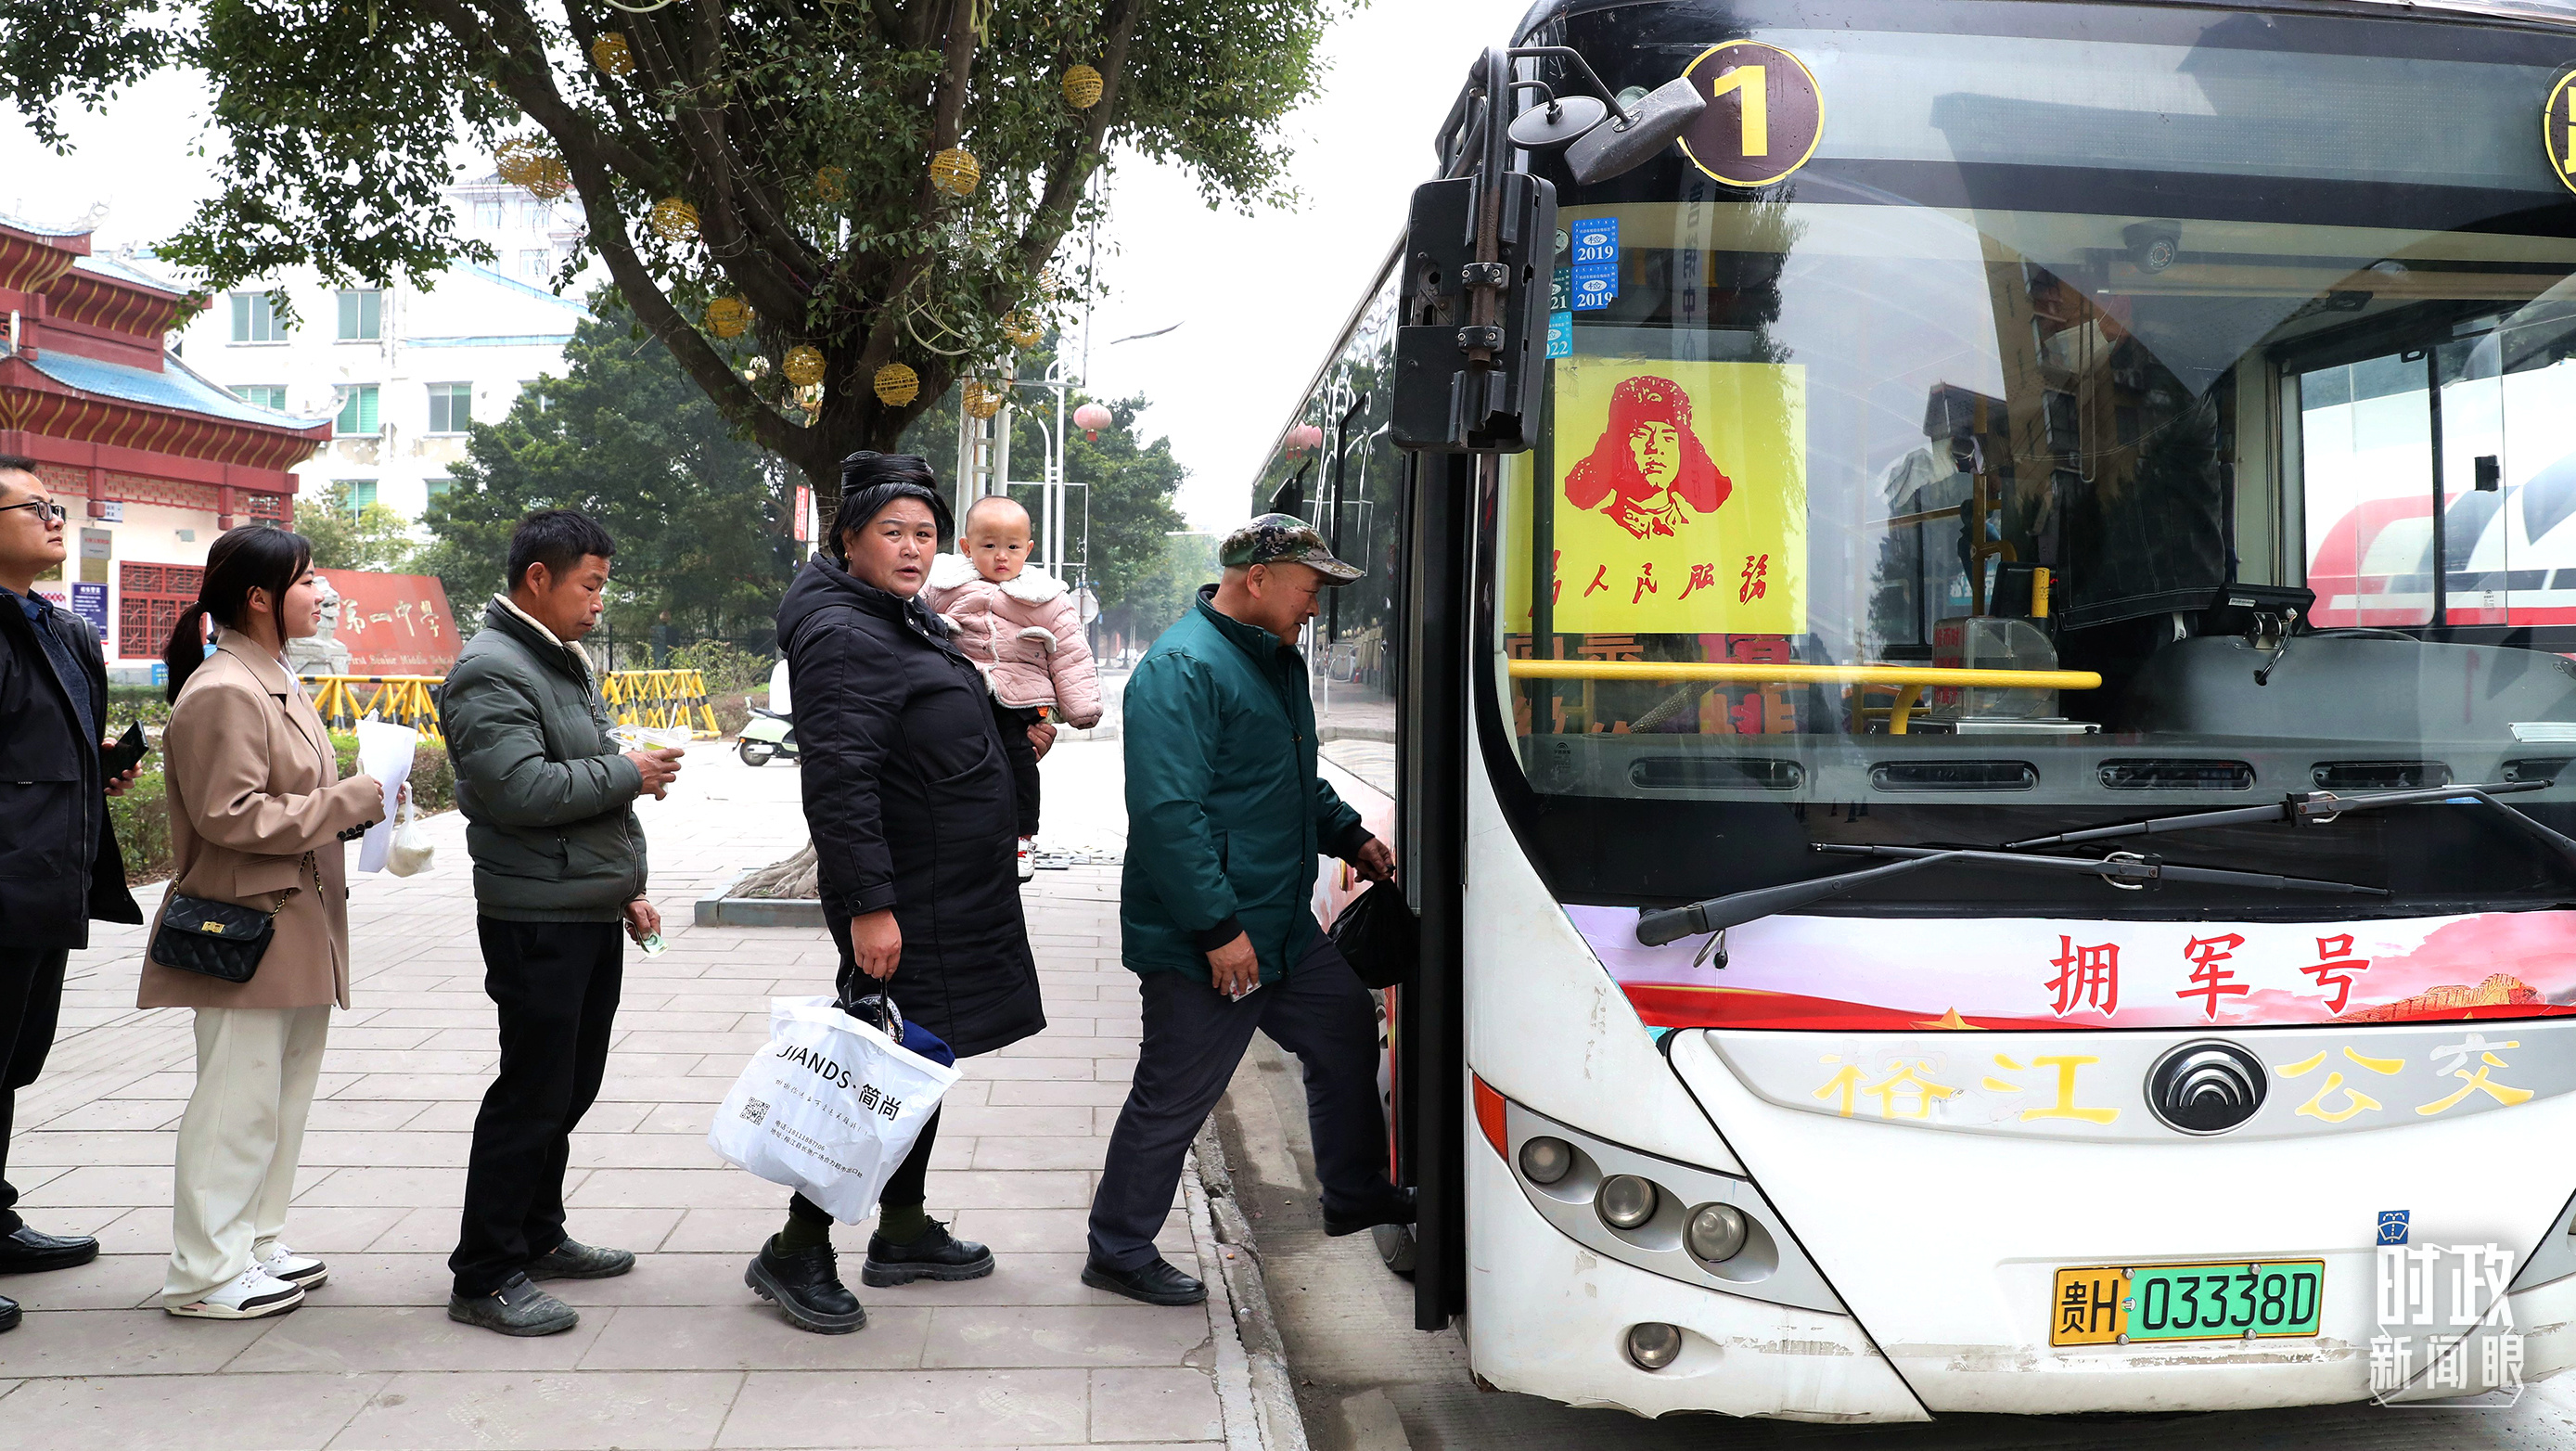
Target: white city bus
2038,518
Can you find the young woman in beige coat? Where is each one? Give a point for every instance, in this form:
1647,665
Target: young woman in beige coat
258,817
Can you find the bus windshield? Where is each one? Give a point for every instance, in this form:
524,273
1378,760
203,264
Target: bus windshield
2117,412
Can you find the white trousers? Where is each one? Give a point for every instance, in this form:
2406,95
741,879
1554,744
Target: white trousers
240,1141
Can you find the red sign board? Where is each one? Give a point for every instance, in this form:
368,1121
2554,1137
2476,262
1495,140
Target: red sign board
394,624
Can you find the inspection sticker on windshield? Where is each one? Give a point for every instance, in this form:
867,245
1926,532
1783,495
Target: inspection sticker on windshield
2239,1300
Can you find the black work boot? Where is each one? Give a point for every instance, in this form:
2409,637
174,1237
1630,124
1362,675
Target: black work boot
807,1286
936,1255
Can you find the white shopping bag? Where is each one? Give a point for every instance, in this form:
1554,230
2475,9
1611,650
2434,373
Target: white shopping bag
411,852
830,1107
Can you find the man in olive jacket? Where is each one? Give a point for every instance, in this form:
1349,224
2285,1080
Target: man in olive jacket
558,873
1225,818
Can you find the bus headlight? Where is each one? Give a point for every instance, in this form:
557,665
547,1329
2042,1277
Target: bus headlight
1654,1344
1546,1160
1716,1232
1626,1201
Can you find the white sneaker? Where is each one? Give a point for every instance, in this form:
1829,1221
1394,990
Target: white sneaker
1028,858
247,1296
295,1269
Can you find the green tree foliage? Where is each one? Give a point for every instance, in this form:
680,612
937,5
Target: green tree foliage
802,133
701,517
1182,562
1132,483
352,536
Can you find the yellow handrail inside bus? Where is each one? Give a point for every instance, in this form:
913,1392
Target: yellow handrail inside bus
1908,681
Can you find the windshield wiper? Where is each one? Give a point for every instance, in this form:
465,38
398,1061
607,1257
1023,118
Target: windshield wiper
2316,808
2121,869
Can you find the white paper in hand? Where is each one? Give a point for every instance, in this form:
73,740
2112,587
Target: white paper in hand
384,752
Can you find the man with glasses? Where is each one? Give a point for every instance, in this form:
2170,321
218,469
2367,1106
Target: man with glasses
59,865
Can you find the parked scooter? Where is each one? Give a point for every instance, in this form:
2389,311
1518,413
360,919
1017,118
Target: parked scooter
768,736
771,732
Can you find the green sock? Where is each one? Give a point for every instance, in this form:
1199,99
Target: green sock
902,1223
802,1234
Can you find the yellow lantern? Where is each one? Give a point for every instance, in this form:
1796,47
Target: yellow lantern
520,159
1082,86
897,385
1022,331
955,171
675,219
833,182
610,54
728,317
981,399
803,364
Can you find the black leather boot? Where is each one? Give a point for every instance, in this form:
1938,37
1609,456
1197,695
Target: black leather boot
807,1286
936,1255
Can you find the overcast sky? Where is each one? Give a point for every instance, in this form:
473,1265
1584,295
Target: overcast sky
1258,298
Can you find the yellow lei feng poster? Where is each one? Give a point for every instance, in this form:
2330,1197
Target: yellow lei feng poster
1681,497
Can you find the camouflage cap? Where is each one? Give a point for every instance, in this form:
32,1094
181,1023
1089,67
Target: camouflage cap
1284,539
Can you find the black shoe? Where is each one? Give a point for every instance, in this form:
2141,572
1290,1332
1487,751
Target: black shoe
27,1251
936,1255
1397,1210
807,1286
573,1260
9,1315
1155,1284
517,1308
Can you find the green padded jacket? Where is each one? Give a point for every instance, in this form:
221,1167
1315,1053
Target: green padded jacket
1225,814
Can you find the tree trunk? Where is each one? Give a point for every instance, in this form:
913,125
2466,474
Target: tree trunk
792,879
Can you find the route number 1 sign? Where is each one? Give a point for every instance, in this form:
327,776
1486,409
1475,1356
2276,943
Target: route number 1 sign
1764,116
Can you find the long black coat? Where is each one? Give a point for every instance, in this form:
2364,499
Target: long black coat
908,794
59,864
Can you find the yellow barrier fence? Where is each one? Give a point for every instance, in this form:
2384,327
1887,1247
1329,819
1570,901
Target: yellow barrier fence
401,699
669,699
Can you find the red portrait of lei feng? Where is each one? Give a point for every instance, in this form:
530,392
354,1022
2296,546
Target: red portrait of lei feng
1649,472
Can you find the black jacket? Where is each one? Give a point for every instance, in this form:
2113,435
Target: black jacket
59,863
908,794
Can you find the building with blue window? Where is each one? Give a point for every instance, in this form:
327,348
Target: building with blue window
402,372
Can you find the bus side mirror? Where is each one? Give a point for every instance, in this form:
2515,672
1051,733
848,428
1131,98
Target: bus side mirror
1471,347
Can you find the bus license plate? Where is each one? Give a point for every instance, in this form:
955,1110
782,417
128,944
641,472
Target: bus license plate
2117,1305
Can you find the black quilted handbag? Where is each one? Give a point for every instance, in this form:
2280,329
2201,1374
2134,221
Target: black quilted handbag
220,940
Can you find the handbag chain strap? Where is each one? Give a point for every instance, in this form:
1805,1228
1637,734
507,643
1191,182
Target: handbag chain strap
310,865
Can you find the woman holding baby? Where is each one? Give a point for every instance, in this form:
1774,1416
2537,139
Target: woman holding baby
909,795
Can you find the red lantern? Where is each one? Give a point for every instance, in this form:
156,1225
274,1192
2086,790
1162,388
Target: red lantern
1305,438
1091,418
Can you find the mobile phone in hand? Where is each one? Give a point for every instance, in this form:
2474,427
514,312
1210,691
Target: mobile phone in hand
129,749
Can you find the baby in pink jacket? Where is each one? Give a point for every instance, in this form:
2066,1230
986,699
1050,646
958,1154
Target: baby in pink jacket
1021,628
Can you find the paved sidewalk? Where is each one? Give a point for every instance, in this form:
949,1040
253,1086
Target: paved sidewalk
678,1354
